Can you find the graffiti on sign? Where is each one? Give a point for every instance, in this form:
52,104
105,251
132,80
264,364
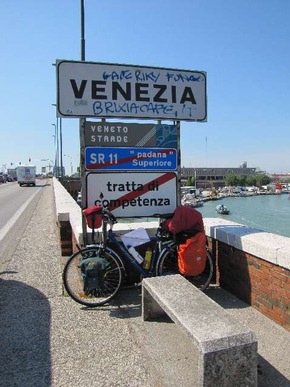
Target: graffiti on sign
87,89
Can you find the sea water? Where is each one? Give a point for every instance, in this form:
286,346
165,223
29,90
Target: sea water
269,213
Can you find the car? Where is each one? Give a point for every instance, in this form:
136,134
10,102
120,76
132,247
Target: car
9,178
79,198
2,178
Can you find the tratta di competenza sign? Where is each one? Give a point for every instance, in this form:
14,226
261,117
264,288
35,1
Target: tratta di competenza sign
106,90
130,195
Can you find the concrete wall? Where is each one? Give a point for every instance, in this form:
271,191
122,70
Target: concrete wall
253,265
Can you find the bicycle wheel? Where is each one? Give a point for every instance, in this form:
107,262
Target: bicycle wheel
98,286
168,264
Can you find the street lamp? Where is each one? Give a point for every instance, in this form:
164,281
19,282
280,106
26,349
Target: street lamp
56,148
59,143
71,164
49,166
60,139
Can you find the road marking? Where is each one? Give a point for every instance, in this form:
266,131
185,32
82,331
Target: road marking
5,229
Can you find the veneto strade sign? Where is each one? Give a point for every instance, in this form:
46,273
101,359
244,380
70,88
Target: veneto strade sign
120,134
106,90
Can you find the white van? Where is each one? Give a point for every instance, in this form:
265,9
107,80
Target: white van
26,175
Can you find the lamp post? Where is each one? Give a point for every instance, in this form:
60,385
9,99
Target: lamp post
71,164
49,166
56,148
59,143
60,149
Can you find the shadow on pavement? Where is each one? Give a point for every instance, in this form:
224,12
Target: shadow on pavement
25,335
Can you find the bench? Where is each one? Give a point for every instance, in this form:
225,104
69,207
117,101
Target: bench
227,350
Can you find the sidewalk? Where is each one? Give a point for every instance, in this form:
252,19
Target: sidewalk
49,340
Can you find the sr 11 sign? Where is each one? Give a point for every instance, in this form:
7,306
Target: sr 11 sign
131,159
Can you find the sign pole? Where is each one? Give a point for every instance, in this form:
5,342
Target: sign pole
177,123
82,123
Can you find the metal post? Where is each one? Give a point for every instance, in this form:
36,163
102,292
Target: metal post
60,140
82,132
55,149
83,43
177,123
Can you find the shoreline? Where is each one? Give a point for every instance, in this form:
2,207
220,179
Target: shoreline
241,194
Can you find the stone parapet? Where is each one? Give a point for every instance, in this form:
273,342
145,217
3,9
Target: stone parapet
251,264
254,266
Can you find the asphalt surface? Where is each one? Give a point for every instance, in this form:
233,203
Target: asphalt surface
49,340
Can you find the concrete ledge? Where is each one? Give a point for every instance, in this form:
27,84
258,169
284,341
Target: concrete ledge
227,349
270,247
67,208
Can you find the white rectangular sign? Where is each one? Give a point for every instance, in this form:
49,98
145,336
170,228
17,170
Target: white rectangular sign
106,90
130,195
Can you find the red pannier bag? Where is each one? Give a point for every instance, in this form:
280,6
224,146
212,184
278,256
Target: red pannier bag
192,255
184,219
93,216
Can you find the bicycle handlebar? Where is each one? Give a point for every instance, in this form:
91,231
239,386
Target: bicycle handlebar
107,214
111,217
163,216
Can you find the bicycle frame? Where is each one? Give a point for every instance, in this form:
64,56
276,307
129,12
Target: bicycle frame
158,243
159,246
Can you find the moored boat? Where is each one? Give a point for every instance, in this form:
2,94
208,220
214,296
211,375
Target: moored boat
192,203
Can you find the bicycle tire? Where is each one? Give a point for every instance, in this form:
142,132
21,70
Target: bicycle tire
112,277
168,264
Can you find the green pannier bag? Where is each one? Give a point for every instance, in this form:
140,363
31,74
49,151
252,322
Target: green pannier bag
93,272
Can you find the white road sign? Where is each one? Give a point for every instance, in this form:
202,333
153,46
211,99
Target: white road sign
88,89
130,195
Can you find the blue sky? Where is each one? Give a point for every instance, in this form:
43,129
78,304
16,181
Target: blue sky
243,45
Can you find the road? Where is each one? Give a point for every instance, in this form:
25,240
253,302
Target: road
16,207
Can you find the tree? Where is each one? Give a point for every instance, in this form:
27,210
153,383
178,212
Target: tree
190,181
251,180
262,179
231,179
241,180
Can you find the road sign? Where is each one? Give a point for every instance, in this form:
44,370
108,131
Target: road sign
110,134
133,195
130,159
89,89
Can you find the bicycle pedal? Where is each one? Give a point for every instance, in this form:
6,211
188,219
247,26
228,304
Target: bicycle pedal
83,295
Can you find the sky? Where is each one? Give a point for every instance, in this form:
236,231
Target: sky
242,45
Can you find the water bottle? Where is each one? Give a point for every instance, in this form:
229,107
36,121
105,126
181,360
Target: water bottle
147,259
135,254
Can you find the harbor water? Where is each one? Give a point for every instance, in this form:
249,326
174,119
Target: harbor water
269,213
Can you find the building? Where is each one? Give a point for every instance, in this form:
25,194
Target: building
214,177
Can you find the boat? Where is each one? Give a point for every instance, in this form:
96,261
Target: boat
221,209
189,200
196,204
